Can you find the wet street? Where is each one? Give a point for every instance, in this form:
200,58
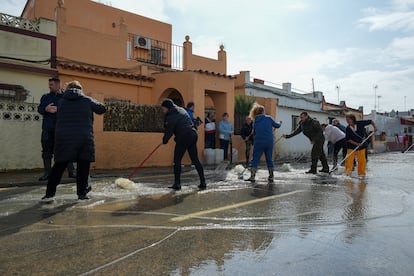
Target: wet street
301,225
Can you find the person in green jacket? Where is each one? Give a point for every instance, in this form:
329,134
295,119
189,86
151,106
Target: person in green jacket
313,130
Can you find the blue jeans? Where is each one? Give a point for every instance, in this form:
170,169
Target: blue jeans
258,150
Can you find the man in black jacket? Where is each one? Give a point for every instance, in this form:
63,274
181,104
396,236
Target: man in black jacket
313,130
74,139
247,135
178,123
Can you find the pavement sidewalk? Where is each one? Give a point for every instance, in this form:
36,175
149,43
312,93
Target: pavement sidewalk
30,177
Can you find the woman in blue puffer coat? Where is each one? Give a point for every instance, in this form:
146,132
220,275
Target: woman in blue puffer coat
263,139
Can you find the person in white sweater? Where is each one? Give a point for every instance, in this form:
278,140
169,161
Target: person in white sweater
337,138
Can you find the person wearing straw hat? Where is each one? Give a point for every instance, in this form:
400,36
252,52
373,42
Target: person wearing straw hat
355,136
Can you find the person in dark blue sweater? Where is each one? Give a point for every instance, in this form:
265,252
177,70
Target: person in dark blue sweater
355,135
48,109
263,140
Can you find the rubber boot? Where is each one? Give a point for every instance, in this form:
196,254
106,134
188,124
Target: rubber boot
202,185
270,179
177,182
325,166
252,175
47,163
313,166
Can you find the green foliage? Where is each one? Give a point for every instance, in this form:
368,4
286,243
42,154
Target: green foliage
243,104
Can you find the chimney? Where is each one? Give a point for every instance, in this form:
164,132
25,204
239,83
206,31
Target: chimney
258,81
287,86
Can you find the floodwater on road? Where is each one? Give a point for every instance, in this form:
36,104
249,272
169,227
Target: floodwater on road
300,225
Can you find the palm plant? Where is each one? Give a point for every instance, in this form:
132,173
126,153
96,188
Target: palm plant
242,106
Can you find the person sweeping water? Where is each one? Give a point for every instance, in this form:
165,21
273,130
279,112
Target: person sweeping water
355,136
263,140
178,123
313,130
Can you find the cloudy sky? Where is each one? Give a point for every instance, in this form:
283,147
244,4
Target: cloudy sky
353,44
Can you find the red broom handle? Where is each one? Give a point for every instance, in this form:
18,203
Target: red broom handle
143,161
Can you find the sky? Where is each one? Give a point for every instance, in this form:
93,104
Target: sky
345,46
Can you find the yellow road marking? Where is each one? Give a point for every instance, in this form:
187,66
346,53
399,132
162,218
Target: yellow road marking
233,206
8,188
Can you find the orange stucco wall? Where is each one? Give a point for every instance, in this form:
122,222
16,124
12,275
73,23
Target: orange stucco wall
95,35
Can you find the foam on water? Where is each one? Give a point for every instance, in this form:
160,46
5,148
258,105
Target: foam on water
125,183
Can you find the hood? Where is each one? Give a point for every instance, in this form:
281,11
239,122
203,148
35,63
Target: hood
73,94
259,117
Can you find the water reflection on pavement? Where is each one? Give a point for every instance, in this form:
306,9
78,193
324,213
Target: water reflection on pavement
301,225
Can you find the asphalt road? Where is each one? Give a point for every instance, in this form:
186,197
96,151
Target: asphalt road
301,225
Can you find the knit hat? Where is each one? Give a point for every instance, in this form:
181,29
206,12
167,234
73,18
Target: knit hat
168,103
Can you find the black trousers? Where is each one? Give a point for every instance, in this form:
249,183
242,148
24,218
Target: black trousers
340,145
81,177
224,145
187,143
48,143
318,154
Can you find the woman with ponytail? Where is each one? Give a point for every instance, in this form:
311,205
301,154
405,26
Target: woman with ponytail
263,139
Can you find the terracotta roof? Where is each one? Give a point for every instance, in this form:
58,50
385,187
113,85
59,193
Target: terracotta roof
407,120
102,71
211,73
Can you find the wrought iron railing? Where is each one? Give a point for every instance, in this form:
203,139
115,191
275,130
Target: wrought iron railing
155,52
19,22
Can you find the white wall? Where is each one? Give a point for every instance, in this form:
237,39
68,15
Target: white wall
20,139
298,145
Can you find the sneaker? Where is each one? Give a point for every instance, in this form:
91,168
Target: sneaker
202,187
47,199
324,171
311,172
175,187
83,198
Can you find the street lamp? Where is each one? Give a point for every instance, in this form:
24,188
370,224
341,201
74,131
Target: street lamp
337,90
375,97
379,96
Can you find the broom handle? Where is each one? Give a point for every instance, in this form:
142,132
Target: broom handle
349,154
143,161
409,148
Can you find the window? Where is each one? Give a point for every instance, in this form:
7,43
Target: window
7,94
295,122
13,92
156,55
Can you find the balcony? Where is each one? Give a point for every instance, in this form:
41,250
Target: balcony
155,52
19,22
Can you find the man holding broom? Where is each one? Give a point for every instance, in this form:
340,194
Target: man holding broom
178,123
355,136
